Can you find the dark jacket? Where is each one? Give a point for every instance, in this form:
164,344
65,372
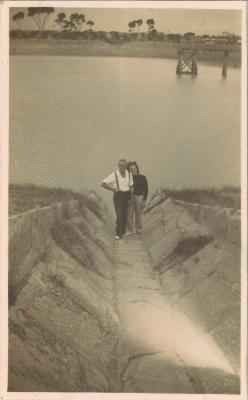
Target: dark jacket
140,185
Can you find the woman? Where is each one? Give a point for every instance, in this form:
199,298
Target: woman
138,199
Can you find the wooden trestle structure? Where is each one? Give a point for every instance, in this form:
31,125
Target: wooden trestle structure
187,63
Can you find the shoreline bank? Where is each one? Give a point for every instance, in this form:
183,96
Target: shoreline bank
97,48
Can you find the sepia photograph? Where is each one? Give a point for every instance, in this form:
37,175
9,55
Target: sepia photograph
126,180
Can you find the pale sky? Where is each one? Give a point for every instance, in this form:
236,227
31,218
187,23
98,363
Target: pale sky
167,20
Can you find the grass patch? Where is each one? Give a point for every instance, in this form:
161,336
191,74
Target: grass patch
227,196
23,198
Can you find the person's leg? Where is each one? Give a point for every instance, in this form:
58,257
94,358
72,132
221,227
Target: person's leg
118,210
138,212
130,215
126,198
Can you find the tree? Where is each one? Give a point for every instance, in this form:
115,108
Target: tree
151,23
69,25
82,20
18,17
139,22
75,19
115,35
132,25
90,24
174,37
232,38
101,35
78,20
189,35
60,20
152,34
40,15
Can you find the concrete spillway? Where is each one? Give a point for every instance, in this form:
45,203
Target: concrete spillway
152,313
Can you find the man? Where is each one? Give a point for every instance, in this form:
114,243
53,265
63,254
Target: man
120,183
138,199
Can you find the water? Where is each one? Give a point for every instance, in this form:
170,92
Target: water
72,118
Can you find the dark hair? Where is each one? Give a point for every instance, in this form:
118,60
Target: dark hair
130,163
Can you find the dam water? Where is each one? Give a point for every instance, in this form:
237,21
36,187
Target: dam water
71,118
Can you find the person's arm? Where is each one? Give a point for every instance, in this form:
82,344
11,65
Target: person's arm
109,182
131,184
145,189
107,186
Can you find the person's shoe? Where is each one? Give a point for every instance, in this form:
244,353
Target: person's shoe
117,237
128,233
138,232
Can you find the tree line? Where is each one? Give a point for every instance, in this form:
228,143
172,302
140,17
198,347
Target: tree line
75,22
74,26
40,15
136,24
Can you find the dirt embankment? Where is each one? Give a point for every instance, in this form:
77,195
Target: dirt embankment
132,49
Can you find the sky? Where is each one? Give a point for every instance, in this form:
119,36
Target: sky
167,20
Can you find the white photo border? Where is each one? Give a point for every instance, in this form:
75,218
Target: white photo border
4,173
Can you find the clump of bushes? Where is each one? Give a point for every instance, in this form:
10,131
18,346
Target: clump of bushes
52,34
227,196
23,198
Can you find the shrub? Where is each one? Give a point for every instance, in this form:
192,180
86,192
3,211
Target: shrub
228,196
23,198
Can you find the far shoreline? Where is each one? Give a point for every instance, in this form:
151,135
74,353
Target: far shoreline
98,48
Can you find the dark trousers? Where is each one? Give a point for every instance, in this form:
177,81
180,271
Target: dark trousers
121,200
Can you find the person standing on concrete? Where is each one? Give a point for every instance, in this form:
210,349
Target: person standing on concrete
120,182
138,199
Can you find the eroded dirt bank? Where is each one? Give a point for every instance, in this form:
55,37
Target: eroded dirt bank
158,313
